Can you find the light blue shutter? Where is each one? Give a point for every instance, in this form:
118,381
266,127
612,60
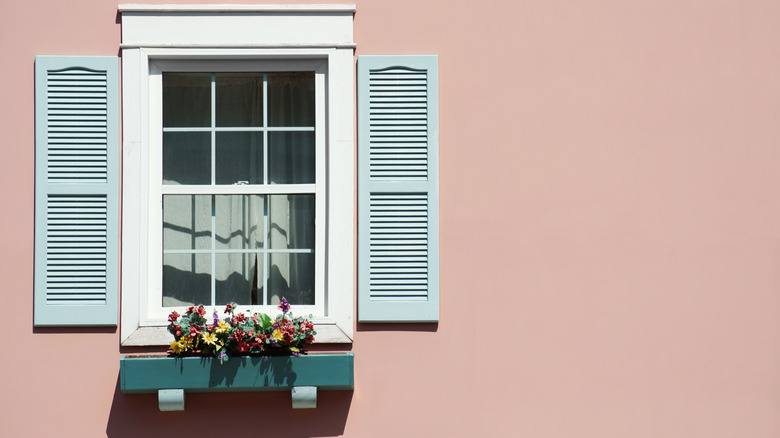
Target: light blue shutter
76,190
398,193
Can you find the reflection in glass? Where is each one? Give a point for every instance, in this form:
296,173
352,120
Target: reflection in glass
237,278
186,222
186,158
186,279
291,276
239,99
291,157
186,99
291,219
239,221
239,158
291,99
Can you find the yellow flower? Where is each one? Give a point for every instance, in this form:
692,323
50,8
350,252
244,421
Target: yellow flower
209,338
186,342
222,327
176,347
277,335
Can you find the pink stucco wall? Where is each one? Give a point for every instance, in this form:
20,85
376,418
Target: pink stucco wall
610,233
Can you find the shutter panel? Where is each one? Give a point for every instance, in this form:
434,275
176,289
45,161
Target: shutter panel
398,193
76,190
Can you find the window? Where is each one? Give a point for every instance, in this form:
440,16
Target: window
239,184
238,165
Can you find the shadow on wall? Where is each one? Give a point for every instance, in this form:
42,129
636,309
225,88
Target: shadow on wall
228,414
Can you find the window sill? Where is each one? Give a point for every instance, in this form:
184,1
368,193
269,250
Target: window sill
140,374
159,336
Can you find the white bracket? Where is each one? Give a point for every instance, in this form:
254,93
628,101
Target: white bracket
304,397
170,399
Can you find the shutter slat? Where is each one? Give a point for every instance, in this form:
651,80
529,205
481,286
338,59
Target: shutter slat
78,102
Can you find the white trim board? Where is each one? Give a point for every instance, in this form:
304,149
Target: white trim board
283,27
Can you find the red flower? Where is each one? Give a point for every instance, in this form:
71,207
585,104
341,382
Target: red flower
201,311
173,316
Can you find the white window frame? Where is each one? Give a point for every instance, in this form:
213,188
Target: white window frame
266,34
154,312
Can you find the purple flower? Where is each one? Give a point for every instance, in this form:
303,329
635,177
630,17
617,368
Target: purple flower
284,306
222,356
216,318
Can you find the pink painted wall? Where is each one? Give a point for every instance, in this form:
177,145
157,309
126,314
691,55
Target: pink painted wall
610,233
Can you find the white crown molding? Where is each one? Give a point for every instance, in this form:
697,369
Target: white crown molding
237,8
243,26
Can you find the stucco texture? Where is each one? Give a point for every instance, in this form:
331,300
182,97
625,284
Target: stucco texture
610,234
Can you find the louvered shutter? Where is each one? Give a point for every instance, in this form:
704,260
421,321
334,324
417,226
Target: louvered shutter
76,190
398,194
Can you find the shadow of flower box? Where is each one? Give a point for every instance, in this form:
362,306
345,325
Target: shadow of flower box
150,373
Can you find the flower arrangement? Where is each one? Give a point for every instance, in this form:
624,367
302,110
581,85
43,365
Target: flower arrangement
239,334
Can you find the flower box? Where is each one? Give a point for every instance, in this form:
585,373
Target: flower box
150,373
170,377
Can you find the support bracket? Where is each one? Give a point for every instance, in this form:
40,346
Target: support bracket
304,397
170,399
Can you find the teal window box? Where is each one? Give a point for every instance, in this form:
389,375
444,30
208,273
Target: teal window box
171,377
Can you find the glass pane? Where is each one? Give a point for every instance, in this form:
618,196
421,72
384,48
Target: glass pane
186,279
291,219
239,221
291,99
237,279
239,158
186,222
186,99
292,277
186,158
239,99
291,157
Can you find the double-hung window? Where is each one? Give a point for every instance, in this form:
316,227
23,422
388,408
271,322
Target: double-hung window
241,181
238,164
